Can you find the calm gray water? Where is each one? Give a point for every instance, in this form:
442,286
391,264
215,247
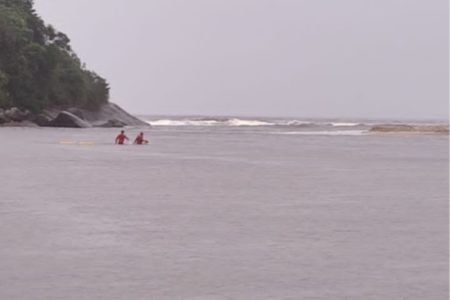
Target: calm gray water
223,213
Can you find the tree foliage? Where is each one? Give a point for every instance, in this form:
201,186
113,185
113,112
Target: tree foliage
38,68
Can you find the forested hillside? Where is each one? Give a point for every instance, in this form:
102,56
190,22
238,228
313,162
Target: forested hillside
38,68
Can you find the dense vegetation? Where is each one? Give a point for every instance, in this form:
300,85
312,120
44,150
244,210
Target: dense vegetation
38,68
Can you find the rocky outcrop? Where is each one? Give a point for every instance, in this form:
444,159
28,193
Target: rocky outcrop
17,115
44,118
14,116
109,115
3,118
69,120
402,128
111,123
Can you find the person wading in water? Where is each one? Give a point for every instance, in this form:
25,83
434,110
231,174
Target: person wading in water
140,139
120,139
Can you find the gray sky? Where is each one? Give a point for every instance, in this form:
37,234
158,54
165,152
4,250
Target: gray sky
310,58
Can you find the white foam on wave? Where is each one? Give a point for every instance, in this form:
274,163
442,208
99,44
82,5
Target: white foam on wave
344,124
193,122
245,122
239,122
297,123
167,122
327,132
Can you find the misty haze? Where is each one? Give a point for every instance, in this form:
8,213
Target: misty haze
322,59
224,149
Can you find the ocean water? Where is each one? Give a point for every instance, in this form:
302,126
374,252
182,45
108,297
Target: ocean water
233,209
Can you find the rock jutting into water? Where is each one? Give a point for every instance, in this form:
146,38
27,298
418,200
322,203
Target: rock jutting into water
401,128
108,115
67,119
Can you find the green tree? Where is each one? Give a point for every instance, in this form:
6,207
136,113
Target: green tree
4,97
38,68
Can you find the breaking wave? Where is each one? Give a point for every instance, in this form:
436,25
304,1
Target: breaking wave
166,122
205,121
344,124
210,122
239,122
305,127
297,123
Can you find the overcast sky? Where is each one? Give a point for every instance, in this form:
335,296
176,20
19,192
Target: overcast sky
310,58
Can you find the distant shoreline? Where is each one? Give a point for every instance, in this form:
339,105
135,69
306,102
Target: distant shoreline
406,128
306,124
111,115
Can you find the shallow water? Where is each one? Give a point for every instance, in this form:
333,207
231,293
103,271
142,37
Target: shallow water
222,213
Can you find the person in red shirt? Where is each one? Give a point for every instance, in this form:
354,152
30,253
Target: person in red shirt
140,139
120,139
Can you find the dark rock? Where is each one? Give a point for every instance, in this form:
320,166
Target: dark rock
111,123
77,112
3,118
108,115
111,111
43,119
17,115
67,119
